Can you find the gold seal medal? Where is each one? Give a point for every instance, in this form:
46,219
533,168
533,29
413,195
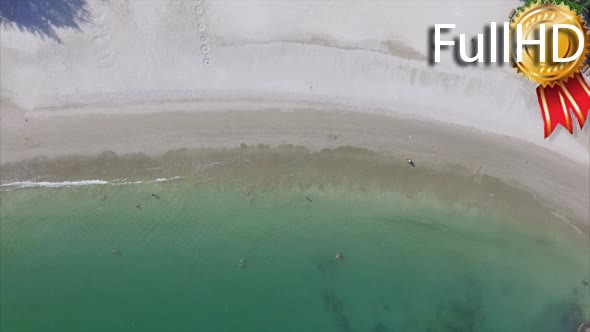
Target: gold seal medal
549,14
561,86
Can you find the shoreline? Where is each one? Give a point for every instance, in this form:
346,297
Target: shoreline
154,133
249,169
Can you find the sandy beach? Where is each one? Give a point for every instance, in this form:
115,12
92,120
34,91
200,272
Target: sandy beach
254,101
123,53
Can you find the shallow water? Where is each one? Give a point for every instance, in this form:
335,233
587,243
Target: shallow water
409,265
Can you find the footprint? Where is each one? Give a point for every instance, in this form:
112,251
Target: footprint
101,43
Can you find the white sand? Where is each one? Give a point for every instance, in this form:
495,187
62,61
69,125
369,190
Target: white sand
365,55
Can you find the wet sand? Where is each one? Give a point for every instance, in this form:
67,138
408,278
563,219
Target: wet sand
454,163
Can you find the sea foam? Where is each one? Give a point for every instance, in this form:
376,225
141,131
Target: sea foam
47,184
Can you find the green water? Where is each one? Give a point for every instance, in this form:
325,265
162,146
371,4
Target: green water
408,265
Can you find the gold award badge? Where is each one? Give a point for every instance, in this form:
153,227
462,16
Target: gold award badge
551,55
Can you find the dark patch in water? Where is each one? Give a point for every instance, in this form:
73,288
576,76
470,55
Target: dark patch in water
380,327
462,314
576,292
465,318
343,323
565,315
505,290
333,303
543,242
384,305
327,268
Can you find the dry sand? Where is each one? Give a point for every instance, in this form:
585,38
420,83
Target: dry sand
362,55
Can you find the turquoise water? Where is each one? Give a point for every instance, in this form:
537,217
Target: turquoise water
408,266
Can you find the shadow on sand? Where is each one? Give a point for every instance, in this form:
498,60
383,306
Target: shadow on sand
43,17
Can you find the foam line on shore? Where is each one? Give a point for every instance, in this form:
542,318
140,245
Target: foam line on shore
569,222
48,184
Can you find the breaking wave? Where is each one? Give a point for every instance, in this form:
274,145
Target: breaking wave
62,184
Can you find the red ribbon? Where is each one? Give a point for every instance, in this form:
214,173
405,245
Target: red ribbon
557,101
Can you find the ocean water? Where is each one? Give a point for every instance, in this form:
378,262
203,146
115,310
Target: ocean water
408,264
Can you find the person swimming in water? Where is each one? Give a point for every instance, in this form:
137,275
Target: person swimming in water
338,256
410,161
243,263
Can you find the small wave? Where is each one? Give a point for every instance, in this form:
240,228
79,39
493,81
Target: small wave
166,179
47,184
118,183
